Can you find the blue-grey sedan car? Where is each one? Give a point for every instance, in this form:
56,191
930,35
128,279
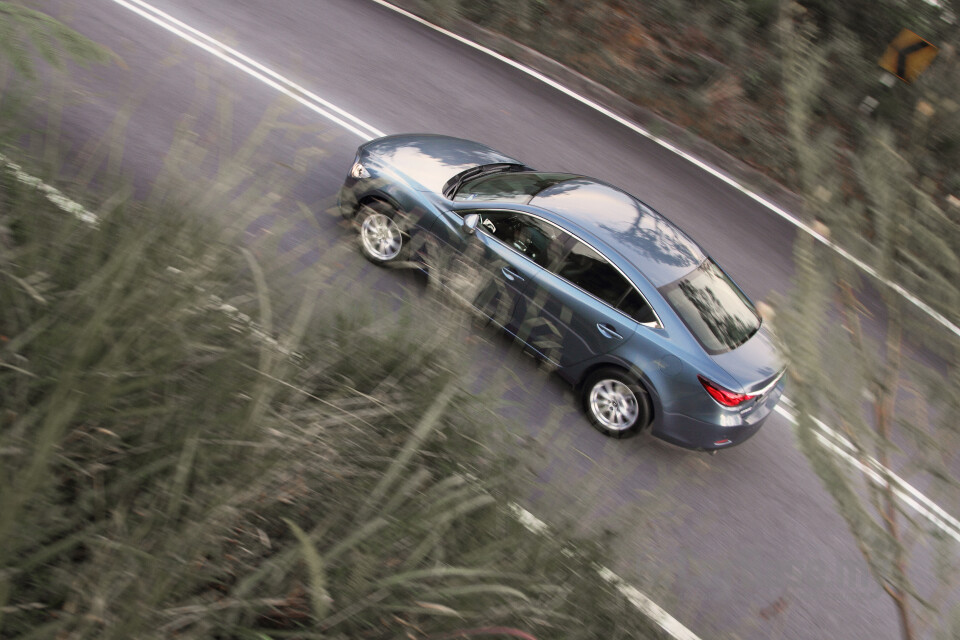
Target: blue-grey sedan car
621,302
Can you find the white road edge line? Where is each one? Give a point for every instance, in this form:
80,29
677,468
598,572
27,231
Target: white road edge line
53,194
254,69
882,476
633,595
720,175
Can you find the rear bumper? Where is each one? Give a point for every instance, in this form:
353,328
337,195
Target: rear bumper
730,429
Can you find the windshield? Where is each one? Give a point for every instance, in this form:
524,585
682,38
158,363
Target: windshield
713,308
508,187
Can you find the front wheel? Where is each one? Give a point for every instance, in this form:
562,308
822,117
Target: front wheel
615,405
380,238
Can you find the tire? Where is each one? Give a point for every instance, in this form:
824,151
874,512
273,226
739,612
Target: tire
381,239
616,405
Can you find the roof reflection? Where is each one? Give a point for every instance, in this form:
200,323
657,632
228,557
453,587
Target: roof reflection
650,241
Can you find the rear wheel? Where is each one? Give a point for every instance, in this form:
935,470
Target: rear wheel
381,240
615,404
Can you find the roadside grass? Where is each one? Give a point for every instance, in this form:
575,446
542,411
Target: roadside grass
195,443
168,471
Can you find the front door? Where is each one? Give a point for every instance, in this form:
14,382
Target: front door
494,267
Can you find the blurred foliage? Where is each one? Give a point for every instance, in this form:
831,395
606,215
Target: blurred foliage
181,458
890,411
26,33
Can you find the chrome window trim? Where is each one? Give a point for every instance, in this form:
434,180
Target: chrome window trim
760,393
657,325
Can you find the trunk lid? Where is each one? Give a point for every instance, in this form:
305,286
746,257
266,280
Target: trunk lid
756,364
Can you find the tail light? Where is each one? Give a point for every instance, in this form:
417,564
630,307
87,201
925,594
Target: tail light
724,396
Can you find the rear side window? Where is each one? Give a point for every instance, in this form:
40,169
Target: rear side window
713,308
637,308
508,187
594,274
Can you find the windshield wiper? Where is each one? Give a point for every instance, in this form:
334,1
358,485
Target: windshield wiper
454,185
451,188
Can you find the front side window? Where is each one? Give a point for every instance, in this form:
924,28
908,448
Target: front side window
538,240
713,308
593,273
508,187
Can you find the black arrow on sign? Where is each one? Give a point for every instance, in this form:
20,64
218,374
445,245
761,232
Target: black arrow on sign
902,55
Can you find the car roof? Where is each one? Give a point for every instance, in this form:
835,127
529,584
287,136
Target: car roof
649,241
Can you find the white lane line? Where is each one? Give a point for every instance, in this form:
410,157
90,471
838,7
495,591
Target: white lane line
53,194
78,211
262,73
633,595
720,175
881,476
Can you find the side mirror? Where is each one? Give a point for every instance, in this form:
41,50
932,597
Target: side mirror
470,223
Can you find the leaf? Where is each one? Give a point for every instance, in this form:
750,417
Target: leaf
51,39
319,598
477,589
439,608
443,572
428,424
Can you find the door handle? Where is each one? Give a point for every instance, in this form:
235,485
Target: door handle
608,331
510,274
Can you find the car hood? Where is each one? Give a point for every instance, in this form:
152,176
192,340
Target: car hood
755,364
431,160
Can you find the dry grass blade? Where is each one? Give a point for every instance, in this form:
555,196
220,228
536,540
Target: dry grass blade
318,582
484,632
426,426
424,575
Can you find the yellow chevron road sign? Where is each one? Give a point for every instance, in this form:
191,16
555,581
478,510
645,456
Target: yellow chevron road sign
908,55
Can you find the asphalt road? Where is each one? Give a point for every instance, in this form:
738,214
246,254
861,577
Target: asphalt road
745,544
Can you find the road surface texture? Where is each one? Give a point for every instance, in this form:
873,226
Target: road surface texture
745,544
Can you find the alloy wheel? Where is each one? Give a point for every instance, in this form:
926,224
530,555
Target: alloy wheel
613,404
381,237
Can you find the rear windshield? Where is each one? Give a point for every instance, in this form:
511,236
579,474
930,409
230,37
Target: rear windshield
508,187
713,308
